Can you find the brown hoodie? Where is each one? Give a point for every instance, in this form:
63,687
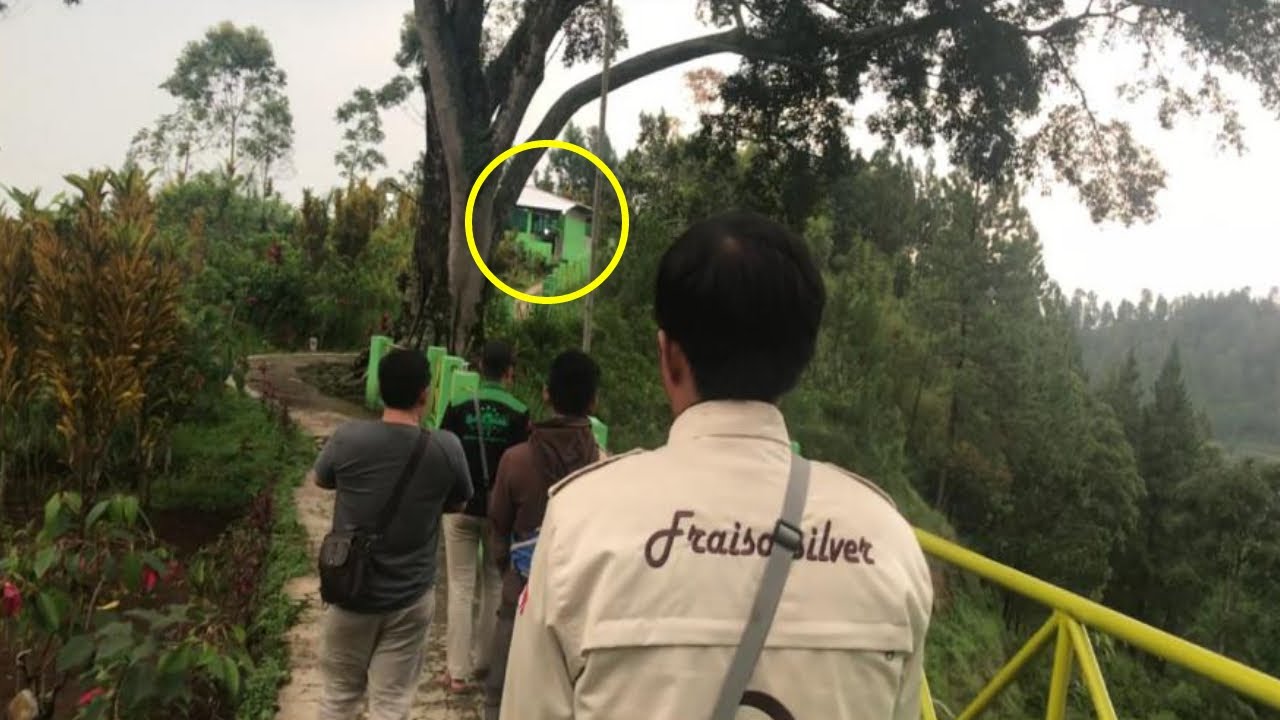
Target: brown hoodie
555,448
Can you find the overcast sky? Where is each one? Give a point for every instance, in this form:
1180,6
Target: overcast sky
76,84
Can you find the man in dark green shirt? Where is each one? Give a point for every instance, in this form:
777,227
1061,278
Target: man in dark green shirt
493,420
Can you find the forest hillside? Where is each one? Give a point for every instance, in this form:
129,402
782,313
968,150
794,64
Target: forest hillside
1229,344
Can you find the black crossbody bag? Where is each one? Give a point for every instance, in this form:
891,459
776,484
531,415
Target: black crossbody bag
347,555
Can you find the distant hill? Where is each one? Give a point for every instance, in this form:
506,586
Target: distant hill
1230,350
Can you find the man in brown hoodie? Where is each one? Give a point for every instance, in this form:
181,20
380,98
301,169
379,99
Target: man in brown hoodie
555,448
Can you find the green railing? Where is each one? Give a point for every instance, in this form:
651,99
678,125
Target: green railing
1071,619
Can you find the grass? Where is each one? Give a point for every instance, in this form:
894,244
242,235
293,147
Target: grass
276,613
222,457
231,451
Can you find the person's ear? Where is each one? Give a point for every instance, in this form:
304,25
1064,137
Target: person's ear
662,353
670,371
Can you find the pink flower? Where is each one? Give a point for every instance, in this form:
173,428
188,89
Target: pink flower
90,695
11,604
149,579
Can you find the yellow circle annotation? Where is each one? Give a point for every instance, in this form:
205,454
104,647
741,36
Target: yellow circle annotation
622,237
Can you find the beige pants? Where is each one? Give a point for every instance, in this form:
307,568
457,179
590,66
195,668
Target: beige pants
472,590
382,654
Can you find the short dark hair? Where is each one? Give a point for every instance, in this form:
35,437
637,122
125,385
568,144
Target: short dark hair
743,298
495,359
572,383
402,377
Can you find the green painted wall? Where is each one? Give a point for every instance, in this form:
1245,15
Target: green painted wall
576,230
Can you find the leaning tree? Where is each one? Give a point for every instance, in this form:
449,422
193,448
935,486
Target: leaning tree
975,74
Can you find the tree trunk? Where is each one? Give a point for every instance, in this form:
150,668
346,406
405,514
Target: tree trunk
953,415
231,164
431,242
909,440
466,282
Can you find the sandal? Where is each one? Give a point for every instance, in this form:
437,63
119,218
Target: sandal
456,687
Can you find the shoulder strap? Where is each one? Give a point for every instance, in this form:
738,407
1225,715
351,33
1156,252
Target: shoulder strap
393,502
787,538
484,460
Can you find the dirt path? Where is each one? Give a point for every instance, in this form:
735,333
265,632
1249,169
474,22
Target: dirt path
318,415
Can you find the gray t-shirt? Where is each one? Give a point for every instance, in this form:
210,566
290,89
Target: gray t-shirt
362,461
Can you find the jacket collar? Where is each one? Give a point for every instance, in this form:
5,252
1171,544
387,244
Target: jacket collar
730,418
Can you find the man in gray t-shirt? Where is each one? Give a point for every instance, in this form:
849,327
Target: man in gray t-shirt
379,642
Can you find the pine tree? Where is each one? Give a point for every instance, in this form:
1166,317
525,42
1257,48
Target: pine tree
1170,455
1123,392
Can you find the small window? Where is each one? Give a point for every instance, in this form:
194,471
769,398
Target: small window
519,220
544,221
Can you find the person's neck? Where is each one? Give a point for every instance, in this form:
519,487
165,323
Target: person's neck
401,417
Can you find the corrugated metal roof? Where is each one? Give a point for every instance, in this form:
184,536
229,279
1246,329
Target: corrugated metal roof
533,197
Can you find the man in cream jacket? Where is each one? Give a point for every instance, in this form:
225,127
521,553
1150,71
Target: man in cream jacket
649,562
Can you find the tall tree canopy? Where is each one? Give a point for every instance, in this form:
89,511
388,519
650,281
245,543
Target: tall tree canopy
231,95
4,5
967,72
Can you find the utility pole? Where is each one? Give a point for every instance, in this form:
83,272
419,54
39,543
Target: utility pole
597,220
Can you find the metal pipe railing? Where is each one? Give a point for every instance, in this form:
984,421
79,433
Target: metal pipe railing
1071,609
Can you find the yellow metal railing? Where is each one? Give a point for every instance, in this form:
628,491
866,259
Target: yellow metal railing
1072,614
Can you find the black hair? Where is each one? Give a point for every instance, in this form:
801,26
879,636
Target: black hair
572,383
496,359
403,375
741,296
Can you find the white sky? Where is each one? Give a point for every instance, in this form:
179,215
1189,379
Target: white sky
76,84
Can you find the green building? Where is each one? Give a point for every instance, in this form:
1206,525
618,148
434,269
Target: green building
553,228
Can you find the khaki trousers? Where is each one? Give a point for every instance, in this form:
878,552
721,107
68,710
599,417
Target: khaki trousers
473,593
380,653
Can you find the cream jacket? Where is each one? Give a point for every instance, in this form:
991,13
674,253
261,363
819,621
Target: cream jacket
648,564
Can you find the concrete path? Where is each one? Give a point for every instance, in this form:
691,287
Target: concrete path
318,415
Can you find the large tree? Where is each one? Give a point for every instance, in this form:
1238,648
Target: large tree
972,73
231,98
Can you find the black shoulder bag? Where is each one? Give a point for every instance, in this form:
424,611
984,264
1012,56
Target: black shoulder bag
347,555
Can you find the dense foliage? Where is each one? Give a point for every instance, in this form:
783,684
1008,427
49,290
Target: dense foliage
88,581
121,312
1229,348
